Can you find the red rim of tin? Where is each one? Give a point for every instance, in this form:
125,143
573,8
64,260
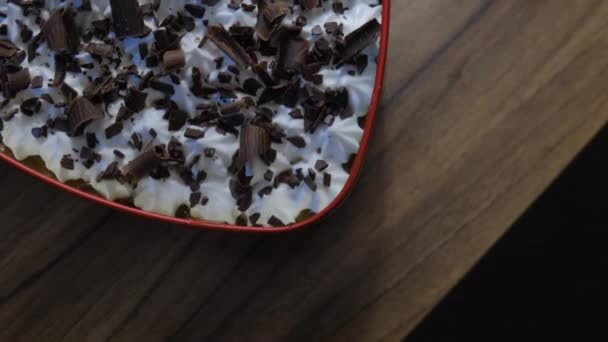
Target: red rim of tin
201,224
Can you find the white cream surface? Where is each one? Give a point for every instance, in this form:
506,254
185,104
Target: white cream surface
333,144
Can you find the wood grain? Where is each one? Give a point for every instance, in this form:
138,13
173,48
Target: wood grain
484,104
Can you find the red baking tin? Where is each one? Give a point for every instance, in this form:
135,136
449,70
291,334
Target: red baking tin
199,224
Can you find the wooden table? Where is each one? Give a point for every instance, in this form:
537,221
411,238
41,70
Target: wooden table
484,103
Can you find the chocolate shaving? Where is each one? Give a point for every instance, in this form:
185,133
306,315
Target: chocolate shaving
310,183
201,176
331,27
327,179
209,152
219,62
293,55
262,72
101,50
143,51
112,172
286,94
186,22
224,77
118,154
135,100
18,58
196,11
197,83
265,191
124,113
17,81
338,7
236,106
244,35
25,32
359,39
268,175
101,28
128,18
317,30
300,21
33,45
253,142
296,114
195,198
100,86
61,66
7,48
242,193
286,177
270,17
166,39
91,140
86,5
68,92
175,79
254,218
37,82
349,163
251,86
321,165
297,141
67,162
283,33
227,123
145,80
61,32
152,62
47,98
275,222
220,37
309,4
242,220
164,103
164,88
194,134
87,154
113,130
235,4
143,164
30,106
315,108
136,141
187,177
312,174
7,115
177,119
173,60
80,112
183,211
361,62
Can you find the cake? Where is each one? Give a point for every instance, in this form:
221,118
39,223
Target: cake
244,112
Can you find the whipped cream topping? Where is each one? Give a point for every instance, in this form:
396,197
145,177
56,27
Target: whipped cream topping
334,143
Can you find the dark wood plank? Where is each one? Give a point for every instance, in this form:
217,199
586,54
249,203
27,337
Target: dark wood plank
421,30
40,226
118,259
484,103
